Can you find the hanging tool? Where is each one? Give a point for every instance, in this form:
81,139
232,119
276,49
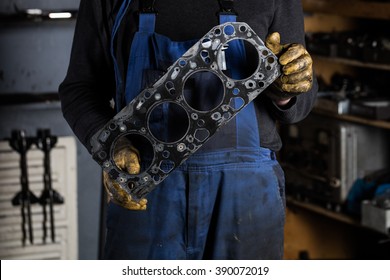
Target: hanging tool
20,143
45,142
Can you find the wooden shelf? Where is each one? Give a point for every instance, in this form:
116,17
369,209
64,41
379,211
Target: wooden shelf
349,8
323,211
353,62
355,119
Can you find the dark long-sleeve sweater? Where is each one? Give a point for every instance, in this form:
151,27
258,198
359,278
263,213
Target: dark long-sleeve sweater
90,82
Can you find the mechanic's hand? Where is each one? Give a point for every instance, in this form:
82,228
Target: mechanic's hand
126,158
297,68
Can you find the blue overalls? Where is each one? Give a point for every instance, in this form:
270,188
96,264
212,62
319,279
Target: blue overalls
225,202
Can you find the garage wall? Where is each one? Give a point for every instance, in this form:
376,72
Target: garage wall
34,56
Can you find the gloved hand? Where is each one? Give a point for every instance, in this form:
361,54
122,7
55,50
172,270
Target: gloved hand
126,158
297,69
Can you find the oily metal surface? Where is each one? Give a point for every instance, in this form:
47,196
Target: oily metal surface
207,55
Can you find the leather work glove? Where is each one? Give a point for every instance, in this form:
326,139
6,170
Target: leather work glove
126,158
297,69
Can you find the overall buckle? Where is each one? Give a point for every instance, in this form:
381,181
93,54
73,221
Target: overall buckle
147,6
226,7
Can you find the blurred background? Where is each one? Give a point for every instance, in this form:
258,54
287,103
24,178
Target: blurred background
35,43
336,161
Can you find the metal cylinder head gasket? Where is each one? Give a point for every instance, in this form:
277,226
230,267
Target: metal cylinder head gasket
134,121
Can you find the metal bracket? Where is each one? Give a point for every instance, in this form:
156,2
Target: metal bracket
227,7
133,120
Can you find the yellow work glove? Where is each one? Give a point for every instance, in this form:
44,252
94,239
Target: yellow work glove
297,69
126,157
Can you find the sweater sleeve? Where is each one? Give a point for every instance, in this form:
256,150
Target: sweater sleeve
288,21
89,84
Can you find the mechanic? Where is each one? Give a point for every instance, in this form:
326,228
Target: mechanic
227,200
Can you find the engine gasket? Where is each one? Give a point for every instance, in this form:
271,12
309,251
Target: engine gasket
205,55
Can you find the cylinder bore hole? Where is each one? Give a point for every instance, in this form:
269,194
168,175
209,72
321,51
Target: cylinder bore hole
130,149
203,91
168,122
241,59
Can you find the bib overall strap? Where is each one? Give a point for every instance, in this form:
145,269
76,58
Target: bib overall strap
227,12
140,59
147,16
147,22
118,79
236,51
